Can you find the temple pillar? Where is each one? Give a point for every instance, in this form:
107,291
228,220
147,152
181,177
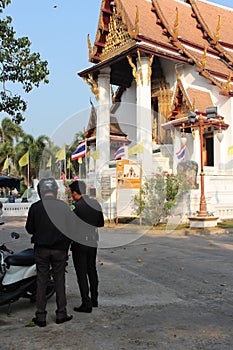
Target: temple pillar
103,121
144,122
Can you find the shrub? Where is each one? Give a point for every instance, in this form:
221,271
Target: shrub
159,194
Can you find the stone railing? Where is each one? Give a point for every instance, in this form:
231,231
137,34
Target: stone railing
16,209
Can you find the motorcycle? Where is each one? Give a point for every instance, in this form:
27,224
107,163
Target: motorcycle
18,276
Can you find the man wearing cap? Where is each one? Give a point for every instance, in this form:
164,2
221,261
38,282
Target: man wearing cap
46,222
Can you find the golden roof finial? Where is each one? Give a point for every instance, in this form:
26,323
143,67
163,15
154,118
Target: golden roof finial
137,21
218,28
135,32
175,29
90,50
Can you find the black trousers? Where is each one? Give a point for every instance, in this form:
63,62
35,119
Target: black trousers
84,259
45,259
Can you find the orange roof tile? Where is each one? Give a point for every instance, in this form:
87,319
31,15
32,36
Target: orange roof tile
201,99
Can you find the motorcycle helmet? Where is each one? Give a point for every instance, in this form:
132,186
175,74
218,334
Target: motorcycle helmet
47,185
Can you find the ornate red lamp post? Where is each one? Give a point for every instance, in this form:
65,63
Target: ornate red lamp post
200,122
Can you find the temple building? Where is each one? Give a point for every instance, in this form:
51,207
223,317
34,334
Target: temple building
162,78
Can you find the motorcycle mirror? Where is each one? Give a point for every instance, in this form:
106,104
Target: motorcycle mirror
15,235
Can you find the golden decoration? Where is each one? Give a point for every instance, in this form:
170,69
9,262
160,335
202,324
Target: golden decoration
135,32
194,105
218,28
93,85
140,66
112,93
134,69
203,60
177,73
117,37
176,24
150,69
228,84
101,23
90,49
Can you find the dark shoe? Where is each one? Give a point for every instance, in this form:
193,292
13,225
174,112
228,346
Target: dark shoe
83,308
94,303
64,319
39,323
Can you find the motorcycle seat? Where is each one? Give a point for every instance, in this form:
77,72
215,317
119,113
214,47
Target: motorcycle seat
23,258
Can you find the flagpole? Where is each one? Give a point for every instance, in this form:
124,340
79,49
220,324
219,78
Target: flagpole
28,173
65,161
60,168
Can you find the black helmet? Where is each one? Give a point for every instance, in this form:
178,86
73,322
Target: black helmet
47,185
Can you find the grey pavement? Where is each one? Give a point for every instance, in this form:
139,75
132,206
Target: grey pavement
158,290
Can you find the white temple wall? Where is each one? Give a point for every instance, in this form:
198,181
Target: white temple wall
126,112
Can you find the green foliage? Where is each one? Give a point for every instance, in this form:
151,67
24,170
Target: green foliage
158,196
17,65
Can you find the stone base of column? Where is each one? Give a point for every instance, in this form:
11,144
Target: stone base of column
202,222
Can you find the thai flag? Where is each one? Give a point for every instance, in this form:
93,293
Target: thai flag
80,151
120,152
180,154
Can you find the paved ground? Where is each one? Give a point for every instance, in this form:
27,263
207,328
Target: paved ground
161,291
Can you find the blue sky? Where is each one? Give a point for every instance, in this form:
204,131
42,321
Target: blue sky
60,36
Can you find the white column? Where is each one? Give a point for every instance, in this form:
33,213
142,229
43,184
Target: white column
103,121
144,122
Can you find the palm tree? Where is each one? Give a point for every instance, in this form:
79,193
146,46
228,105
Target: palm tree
10,131
35,148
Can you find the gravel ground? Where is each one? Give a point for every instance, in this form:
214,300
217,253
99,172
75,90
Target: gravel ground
160,291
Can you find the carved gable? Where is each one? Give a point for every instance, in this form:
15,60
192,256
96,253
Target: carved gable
118,38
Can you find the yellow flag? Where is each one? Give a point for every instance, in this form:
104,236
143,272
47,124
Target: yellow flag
136,149
230,151
61,155
6,164
80,160
95,154
24,160
68,164
49,164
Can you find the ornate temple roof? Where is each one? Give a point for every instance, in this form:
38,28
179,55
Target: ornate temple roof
116,134
196,32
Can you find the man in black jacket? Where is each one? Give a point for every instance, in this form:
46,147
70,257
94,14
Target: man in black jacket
46,221
84,249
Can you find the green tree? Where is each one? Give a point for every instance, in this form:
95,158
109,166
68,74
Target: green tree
17,65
